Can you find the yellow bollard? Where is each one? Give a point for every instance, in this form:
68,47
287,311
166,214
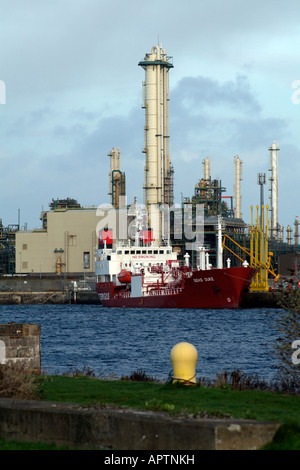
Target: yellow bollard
184,358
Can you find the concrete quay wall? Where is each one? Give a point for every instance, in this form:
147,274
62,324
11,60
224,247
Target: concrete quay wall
57,297
31,298
124,429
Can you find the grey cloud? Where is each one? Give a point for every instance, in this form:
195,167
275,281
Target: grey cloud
222,113
255,133
195,92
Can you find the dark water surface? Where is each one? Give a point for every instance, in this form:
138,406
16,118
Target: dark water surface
116,342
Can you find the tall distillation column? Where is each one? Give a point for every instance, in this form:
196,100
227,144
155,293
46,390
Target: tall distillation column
237,187
206,168
116,178
274,188
158,169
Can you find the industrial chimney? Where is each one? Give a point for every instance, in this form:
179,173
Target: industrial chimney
237,187
206,168
158,169
274,188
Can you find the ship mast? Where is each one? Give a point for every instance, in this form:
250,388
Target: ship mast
219,244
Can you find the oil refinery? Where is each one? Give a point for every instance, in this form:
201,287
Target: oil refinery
66,243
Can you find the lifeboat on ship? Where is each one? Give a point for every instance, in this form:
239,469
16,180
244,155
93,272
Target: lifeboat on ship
124,276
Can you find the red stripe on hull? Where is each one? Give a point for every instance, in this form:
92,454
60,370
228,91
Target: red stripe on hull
216,288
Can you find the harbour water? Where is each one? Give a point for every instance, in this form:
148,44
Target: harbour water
116,342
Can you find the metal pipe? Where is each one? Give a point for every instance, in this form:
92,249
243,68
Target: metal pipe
266,254
261,243
251,238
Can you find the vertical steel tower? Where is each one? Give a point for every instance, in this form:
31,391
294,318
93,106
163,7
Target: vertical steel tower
206,168
158,169
237,187
274,188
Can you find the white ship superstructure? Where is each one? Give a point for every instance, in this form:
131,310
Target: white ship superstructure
134,260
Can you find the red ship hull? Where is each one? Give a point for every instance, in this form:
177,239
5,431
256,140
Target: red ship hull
205,289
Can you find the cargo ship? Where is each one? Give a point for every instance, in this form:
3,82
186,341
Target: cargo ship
153,277
147,272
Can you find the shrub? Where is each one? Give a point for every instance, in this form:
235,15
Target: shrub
138,376
238,380
17,382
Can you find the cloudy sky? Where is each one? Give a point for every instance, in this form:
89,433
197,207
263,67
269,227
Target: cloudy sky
74,91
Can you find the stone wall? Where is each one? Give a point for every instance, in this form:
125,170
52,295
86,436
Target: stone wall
20,344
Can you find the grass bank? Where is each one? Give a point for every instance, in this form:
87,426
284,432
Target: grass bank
179,399
198,401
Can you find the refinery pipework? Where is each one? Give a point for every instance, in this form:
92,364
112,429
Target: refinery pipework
115,164
116,177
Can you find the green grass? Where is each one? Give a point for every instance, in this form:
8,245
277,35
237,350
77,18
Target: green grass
14,445
247,404
205,401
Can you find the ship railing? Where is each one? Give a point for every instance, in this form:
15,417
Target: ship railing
123,295
166,292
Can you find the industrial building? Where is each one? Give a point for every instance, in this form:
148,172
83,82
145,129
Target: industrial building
66,242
